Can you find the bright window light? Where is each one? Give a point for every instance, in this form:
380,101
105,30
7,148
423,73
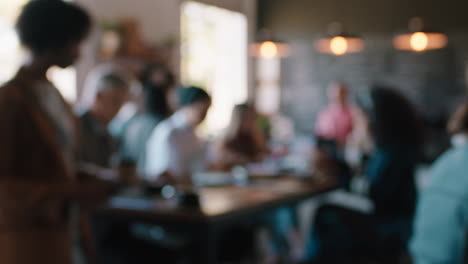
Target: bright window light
214,56
10,50
12,55
65,81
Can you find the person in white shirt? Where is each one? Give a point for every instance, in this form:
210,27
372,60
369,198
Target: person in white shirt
174,151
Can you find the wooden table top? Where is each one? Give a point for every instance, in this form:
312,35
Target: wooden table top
223,201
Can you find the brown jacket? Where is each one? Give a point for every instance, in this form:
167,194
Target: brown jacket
34,181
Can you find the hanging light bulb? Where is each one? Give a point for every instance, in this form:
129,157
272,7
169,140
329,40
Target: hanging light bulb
338,45
420,39
268,47
339,42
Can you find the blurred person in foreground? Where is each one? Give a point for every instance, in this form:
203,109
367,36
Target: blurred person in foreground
39,188
174,151
243,141
159,94
441,223
335,122
344,233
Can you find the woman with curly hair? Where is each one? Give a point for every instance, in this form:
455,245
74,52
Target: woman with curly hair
345,234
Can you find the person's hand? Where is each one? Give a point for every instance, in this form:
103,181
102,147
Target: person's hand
229,160
279,150
219,166
88,171
323,164
166,178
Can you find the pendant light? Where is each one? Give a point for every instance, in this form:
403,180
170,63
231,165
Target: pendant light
420,38
338,42
269,47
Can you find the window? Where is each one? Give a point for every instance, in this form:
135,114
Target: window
65,81
10,51
267,99
214,56
11,54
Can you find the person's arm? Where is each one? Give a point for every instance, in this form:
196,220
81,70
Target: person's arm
440,229
28,192
225,158
180,162
261,142
18,191
14,121
319,123
91,171
323,125
159,156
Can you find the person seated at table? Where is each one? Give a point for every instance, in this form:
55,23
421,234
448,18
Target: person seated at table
440,229
326,161
107,89
158,94
39,183
396,131
174,151
243,141
334,127
335,122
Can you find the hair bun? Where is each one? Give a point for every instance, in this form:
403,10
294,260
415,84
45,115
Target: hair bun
192,94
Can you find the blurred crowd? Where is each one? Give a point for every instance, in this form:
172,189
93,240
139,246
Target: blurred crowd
57,162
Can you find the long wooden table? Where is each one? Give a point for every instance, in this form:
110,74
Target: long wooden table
220,208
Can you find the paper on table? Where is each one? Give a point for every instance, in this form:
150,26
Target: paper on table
350,200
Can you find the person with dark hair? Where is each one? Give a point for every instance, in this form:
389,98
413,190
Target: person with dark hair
344,233
174,151
440,227
395,128
158,89
107,89
52,28
38,182
243,141
158,84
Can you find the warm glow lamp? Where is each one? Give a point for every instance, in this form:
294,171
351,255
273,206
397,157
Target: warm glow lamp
339,42
267,47
419,39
